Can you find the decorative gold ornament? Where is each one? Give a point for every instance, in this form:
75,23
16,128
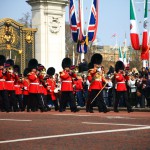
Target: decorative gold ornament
29,38
20,51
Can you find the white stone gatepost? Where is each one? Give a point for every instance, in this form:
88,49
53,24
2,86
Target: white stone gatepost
48,16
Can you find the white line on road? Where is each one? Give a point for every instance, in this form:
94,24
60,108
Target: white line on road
75,134
13,120
115,124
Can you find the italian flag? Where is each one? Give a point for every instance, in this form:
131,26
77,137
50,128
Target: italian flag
134,36
120,54
145,30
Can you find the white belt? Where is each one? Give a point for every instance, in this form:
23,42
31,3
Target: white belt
120,82
16,85
10,81
35,83
98,80
2,79
67,81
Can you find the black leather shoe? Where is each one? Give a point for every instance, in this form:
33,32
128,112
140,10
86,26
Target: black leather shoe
131,110
91,111
116,110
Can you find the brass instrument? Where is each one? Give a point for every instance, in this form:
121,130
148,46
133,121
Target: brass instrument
74,69
10,69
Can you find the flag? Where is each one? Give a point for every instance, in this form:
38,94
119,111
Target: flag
120,54
134,36
93,21
114,35
73,21
125,58
82,46
145,30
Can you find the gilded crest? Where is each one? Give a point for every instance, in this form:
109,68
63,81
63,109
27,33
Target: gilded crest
29,38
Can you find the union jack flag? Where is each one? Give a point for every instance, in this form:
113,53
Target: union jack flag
73,21
93,22
82,46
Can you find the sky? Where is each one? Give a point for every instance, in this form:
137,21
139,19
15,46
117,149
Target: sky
114,17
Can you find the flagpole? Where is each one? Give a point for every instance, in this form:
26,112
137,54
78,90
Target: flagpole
73,55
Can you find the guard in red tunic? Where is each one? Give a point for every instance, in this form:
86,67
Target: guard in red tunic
121,88
10,79
67,86
25,90
96,80
43,87
18,86
34,92
3,93
51,86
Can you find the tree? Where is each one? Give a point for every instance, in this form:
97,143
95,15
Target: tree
26,20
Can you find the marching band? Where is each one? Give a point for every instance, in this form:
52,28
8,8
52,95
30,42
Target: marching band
36,87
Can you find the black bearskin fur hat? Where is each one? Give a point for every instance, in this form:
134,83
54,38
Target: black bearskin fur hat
2,60
66,63
16,68
119,66
32,64
26,71
96,59
51,71
10,62
90,65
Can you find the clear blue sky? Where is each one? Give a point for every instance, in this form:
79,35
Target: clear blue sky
113,17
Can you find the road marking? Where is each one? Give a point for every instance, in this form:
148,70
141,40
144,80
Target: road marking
13,120
116,124
71,115
75,134
118,117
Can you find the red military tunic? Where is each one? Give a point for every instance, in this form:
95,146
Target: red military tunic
51,85
66,81
96,81
2,80
34,83
43,88
10,79
121,85
78,84
18,86
26,84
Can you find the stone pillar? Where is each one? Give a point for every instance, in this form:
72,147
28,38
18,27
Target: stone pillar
48,16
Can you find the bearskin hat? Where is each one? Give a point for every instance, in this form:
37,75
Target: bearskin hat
9,62
51,71
16,68
66,63
2,60
96,59
26,71
32,64
119,66
90,65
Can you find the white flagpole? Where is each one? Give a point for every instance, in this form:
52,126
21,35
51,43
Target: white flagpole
73,55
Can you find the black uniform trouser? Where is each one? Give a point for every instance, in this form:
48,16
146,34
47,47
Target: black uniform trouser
36,101
67,97
123,94
13,99
20,101
5,100
98,101
26,102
